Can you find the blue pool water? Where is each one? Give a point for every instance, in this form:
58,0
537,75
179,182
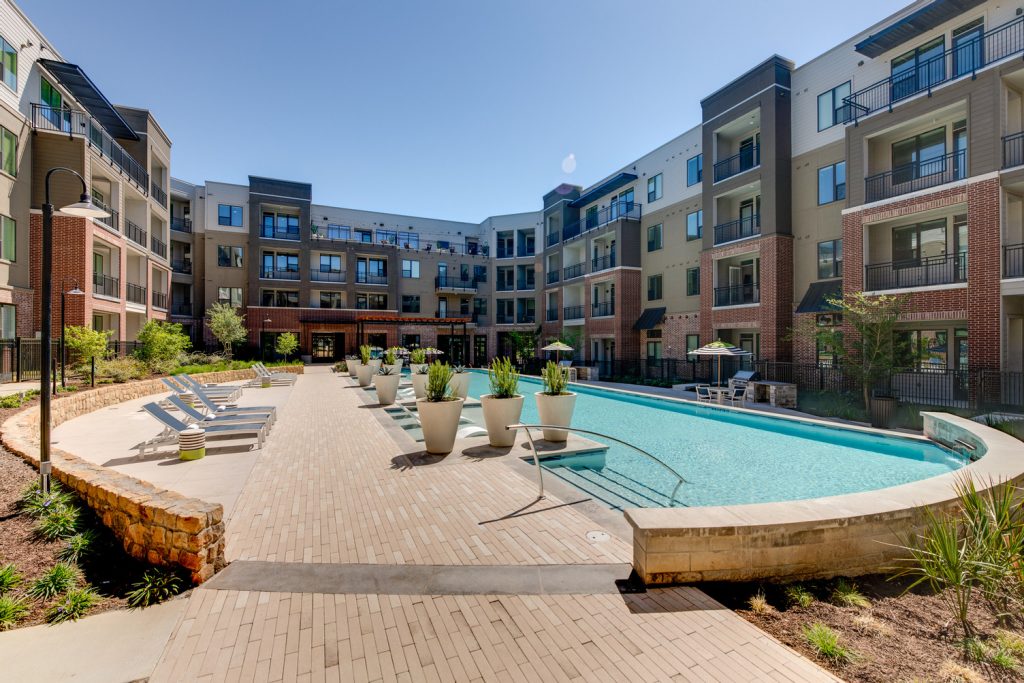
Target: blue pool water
726,457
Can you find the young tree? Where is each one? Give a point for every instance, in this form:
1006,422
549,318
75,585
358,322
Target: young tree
161,345
85,343
286,344
226,325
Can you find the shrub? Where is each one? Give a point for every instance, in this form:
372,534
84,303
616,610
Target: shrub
286,344
226,325
78,546
10,577
161,344
555,380
418,356
799,596
340,366
156,586
389,357
504,378
439,379
847,595
759,604
84,344
12,610
75,604
364,354
60,578
825,641
59,521
35,504
121,369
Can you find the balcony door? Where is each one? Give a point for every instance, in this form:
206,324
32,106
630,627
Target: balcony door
918,69
442,308
748,151
920,156
969,48
749,212
442,273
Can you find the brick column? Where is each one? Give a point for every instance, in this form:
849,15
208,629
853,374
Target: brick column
984,266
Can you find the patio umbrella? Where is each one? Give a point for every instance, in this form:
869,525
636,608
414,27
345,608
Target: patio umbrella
557,347
719,348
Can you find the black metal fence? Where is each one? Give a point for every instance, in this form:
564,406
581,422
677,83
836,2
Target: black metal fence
21,358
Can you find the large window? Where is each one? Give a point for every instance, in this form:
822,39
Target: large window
831,109
279,298
280,225
911,243
230,295
8,321
830,259
968,47
410,303
338,232
654,188
929,349
654,237
229,257
653,287
9,153
918,69
9,64
372,302
409,240
692,281
410,268
919,156
832,183
8,238
694,170
229,215
694,225
332,300
330,263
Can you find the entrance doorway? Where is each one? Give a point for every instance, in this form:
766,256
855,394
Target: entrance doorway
328,346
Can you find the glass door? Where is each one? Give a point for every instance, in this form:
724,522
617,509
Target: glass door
442,308
969,48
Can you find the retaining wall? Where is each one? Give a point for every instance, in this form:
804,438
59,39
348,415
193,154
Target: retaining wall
155,525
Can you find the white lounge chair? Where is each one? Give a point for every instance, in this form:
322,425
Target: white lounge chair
212,407
221,418
173,427
275,377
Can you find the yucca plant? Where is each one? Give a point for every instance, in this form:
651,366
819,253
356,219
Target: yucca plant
555,380
439,382
389,357
12,610
364,354
418,356
73,606
60,578
156,586
10,578
387,369
504,378
424,369
458,369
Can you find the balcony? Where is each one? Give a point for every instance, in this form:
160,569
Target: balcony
158,194
506,253
366,279
525,285
737,295
183,266
602,309
135,293
160,300
551,315
184,309
335,276
738,229
70,122
919,175
112,221
956,62
181,224
275,274
504,319
447,282
503,286
552,277
276,234
748,158
135,233
453,315
573,313
1013,260
106,285
158,246
526,318
602,263
552,239
573,271
923,272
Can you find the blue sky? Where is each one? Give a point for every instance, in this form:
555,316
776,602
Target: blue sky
453,109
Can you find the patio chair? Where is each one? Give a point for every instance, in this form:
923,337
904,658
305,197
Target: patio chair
229,392
736,395
275,377
173,427
703,393
221,418
212,407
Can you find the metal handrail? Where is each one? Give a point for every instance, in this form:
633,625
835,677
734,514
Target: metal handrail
680,479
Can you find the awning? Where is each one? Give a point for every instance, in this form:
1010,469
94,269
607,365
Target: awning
610,185
816,300
649,319
913,25
85,91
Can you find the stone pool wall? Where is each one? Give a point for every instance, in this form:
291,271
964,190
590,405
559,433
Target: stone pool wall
154,525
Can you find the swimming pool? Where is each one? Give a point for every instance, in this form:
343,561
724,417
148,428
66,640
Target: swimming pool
727,457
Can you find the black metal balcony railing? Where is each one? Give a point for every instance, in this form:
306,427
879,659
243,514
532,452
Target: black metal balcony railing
183,266
275,274
367,279
504,319
503,286
1013,150
919,175
160,300
526,318
551,315
617,210
525,285
923,272
1013,260
552,277
603,308
738,295
183,309
181,224
158,193
158,246
746,159
523,252
73,122
738,229
956,62
106,285
451,282
317,275
135,233
452,315
135,293
573,271
552,239
479,318
277,234
506,253
112,221
572,313
602,263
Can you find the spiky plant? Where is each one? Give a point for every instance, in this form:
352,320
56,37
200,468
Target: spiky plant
555,380
504,378
60,521
439,380
60,578
12,610
78,546
73,606
364,354
798,596
10,578
156,586
759,604
848,595
826,642
389,357
418,356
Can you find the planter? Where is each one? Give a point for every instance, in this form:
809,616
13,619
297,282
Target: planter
498,413
415,367
419,385
440,423
387,388
882,409
396,368
364,374
353,365
460,384
555,410
375,363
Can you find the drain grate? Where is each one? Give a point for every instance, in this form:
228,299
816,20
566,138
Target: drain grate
597,536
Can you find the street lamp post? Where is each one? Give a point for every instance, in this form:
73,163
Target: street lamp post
86,209
263,335
74,291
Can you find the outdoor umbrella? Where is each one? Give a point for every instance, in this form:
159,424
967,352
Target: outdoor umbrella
557,347
719,348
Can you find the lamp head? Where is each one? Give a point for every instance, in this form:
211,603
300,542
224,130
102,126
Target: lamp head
84,208
75,291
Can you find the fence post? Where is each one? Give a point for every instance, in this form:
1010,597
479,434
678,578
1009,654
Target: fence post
92,373
17,359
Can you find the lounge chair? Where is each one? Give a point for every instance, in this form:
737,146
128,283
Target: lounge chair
221,418
212,407
173,426
180,386
275,377
703,393
736,395
230,391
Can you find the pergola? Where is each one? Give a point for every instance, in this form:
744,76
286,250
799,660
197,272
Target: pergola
365,319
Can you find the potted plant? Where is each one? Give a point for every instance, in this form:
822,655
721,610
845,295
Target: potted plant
439,410
504,405
391,360
419,380
417,359
374,362
386,384
364,371
555,404
460,382
352,363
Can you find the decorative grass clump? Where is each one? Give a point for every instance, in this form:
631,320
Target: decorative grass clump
73,606
798,596
156,586
504,378
59,521
759,604
847,594
10,578
555,380
78,546
439,380
364,354
826,643
60,578
12,610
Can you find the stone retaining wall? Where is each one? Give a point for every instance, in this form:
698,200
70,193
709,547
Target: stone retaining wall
155,525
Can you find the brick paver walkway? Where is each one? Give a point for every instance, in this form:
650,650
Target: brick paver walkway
331,487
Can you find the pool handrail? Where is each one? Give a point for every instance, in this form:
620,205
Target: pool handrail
680,480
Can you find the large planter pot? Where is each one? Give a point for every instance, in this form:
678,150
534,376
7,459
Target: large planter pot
364,374
375,363
499,413
419,385
555,410
352,366
395,368
415,367
387,388
460,384
440,423
881,409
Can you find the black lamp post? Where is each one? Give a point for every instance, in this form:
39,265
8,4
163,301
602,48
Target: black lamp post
263,336
74,291
86,209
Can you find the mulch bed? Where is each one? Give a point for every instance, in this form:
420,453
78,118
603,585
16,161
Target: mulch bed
902,636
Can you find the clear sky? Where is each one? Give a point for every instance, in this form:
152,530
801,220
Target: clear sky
454,109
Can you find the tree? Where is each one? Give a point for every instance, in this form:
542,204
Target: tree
226,325
524,344
286,344
161,345
85,343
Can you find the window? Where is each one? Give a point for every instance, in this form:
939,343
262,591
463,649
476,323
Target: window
338,232
387,236
479,307
411,341
653,287
364,235
694,170
654,237
480,274
230,295
928,349
8,321
832,183
831,109
830,259
10,64
280,225
505,276
526,311
332,300
918,69
9,153
692,281
330,263
229,257
591,217
694,225
410,303
8,238
276,264
409,240
919,156
410,268
920,241
280,298
968,50
824,352
620,204
654,188
372,302
229,215
653,350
